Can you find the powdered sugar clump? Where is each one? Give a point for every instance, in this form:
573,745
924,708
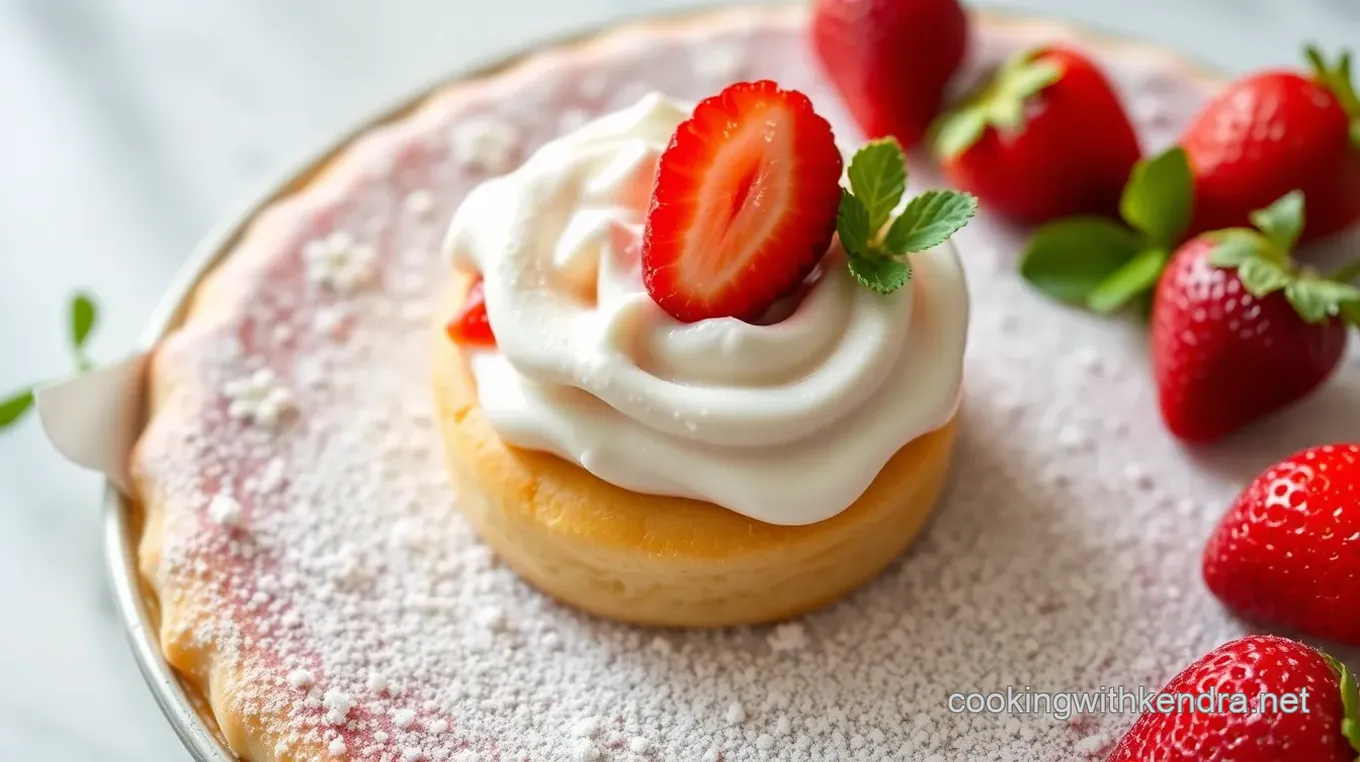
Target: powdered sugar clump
340,262
788,637
368,623
485,143
225,510
260,398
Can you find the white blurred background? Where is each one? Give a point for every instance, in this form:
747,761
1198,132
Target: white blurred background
127,127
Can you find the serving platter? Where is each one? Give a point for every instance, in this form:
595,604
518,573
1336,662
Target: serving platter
186,711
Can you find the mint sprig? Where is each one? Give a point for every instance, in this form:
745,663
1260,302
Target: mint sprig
1262,259
877,244
1104,265
82,318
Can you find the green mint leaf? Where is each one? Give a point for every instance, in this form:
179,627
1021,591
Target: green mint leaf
878,177
883,275
929,220
1070,258
852,224
1135,278
13,408
1261,277
83,317
1316,299
1281,222
1234,246
1159,196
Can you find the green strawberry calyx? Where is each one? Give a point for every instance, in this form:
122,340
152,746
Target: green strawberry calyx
1262,259
82,316
1350,701
1337,78
876,243
1105,265
999,102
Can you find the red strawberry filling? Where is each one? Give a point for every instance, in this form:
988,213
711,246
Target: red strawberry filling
744,204
470,324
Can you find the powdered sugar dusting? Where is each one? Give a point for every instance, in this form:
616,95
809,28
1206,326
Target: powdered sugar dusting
223,509
369,624
485,143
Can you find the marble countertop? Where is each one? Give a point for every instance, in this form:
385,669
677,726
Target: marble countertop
130,126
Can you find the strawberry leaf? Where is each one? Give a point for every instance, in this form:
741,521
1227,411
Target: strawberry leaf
1336,78
956,132
1030,78
1233,246
1317,299
1281,222
1261,277
1350,700
929,220
1352,312
878,177
999,102
1070,258
13,408
1159,197
852,224
880,274
1135,278
1347,273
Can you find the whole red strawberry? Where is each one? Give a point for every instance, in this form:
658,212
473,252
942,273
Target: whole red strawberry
1274,132
1239,331
1047,137
1268,699
1288,550
891,60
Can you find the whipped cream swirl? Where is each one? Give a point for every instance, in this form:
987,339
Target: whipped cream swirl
787,423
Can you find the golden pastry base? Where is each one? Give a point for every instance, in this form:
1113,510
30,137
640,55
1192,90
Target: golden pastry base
667,561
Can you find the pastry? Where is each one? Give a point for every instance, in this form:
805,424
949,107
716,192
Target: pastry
705,472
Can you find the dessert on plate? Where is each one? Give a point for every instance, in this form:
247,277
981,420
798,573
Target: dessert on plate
312,571
683,408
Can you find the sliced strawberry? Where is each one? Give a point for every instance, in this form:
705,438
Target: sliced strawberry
470,325
744,204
